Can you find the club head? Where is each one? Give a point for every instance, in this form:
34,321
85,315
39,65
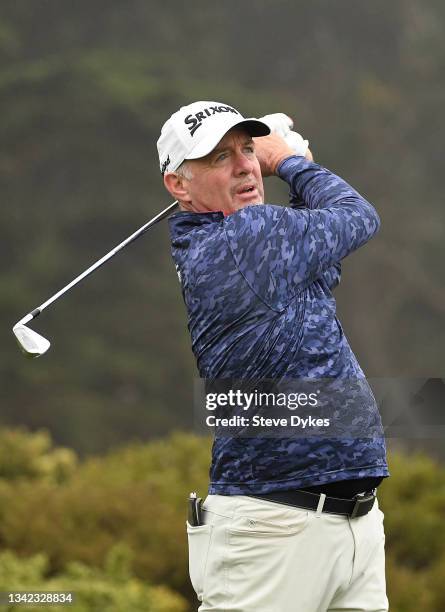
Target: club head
30,342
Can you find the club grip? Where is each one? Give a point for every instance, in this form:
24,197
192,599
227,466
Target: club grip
194,514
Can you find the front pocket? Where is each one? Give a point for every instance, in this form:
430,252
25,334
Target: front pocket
198,544
261,547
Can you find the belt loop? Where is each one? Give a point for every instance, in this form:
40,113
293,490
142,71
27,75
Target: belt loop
320,505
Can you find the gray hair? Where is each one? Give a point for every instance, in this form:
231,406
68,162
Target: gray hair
184,170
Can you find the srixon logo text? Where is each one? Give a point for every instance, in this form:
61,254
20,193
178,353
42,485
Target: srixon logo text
165,165
193,122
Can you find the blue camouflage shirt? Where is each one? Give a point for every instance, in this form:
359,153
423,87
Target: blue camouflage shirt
257,285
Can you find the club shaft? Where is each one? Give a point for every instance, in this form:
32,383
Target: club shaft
100,262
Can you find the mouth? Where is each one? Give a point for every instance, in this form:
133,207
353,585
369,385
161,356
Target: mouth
246,190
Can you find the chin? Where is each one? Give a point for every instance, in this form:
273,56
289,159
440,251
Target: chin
252,202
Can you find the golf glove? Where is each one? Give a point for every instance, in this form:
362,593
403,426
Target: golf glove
282,125
279,123
297,143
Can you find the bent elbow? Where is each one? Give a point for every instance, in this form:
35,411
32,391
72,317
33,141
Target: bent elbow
370,219
375,220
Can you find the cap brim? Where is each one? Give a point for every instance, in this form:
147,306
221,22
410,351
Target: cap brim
253,127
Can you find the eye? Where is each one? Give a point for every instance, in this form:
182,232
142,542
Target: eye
250,148
221,156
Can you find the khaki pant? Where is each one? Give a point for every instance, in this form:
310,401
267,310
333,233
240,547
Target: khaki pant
253,555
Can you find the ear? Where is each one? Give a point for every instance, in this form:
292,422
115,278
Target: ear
178,187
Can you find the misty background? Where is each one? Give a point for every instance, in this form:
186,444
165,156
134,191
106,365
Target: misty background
84,90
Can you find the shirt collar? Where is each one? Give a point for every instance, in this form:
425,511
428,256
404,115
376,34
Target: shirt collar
183,222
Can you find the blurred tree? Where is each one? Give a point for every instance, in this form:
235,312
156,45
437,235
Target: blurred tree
111,589
25,455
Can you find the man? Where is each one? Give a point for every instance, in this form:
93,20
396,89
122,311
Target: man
290,523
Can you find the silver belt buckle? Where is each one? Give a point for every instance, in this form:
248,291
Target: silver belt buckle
360,499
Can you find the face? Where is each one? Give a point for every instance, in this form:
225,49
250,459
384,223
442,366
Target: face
228,178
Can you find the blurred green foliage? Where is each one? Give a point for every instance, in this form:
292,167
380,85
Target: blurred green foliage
134,496
413,500
25,456
109,589
113,530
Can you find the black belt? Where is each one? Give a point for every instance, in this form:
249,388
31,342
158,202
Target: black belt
360,505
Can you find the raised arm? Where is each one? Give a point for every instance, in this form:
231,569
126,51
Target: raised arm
287,247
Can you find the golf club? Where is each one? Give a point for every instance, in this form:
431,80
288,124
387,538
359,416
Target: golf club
33,344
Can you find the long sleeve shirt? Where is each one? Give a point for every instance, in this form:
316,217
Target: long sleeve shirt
257,285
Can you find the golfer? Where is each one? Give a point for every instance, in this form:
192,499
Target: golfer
290,524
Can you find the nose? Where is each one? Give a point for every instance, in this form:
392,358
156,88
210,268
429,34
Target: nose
242,164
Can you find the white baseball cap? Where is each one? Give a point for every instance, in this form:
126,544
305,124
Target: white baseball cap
195,130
